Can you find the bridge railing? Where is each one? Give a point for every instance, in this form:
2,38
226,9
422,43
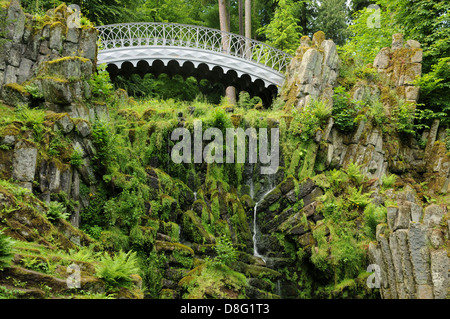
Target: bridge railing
197,37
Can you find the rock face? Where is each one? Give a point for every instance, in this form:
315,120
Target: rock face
56,58
30,44
411,267
50,59
312,72
409,246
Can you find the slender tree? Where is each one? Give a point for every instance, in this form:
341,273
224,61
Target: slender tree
230,91
248,25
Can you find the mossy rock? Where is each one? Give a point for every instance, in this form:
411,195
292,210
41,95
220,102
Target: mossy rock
129,114
70,68
168,246
15,94
168,294
258,271
194,229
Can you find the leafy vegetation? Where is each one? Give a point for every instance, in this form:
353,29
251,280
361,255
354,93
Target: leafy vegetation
116,270
6,252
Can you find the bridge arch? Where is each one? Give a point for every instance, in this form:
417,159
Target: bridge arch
196,51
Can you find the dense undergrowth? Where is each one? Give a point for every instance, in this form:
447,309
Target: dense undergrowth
149,215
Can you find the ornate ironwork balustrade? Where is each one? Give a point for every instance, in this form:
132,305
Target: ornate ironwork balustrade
190,36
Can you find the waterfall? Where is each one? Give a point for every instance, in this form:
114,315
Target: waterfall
195,196
255,227
255,248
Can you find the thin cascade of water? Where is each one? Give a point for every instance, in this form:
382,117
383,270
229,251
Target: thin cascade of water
255,227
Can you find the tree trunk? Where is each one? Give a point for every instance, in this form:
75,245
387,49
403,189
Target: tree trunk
248,18
248,26
230,92
241,17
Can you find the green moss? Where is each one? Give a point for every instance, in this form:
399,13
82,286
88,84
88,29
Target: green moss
194,229
215,281
168,246
67,58
17,87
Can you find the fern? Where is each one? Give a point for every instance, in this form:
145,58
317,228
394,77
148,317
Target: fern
354,172
6,250
56,211
116,270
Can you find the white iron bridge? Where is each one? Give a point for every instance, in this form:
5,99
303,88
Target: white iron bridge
188,50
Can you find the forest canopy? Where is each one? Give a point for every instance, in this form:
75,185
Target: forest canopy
358,27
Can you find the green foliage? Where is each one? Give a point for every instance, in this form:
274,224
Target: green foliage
283,31
373,215
226,253
116,270
101,137
100,83
433,85
388,181
367,38
56,210
125,209
34,91
305,122
6,250
403,117
76,159
332,16
246,102
354,173
357,198
344,110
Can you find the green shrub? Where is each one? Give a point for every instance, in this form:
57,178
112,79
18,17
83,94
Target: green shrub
357,198
247,102
354,173
344,110
403,116
116,270
373,215
76,159
34,91
100,83
226,253
388,181
6,253
56,210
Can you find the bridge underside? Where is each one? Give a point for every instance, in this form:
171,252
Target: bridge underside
216,67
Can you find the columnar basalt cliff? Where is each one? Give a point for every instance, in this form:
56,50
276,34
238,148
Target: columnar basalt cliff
412,247
49,62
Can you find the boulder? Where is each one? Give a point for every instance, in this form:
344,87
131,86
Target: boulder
419,252
433,215
24,161
439,273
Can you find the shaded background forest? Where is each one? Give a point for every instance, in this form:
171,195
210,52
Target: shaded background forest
359,26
